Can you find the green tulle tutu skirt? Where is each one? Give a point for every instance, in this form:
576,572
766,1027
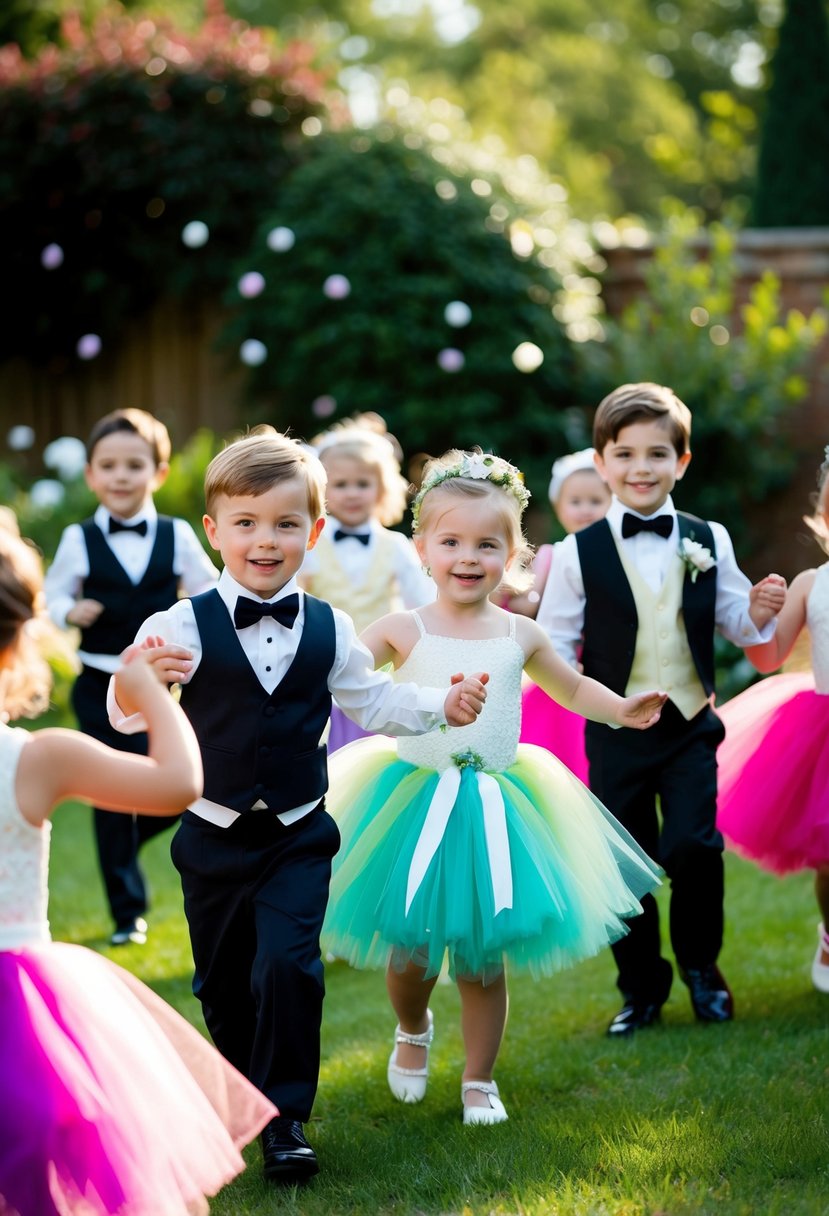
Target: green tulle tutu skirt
524,865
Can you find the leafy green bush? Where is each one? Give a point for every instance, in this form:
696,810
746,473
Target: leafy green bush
110,147
394,286
738,369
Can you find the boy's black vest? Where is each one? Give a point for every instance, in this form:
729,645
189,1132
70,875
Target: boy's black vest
126,604
257,746
610,619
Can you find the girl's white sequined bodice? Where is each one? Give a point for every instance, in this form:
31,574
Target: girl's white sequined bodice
24,857
817,618
494,736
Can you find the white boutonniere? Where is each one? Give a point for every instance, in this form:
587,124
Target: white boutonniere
695,557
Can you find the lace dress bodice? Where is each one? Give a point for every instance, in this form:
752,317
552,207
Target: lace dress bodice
24,857
493,738
817,618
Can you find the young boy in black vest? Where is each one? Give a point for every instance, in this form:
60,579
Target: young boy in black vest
259,662
642,593
109,573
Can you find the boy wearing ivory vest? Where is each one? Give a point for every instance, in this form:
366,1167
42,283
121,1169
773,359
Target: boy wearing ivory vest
259,662
645,589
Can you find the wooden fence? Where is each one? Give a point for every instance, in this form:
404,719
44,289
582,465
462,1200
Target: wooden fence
168,363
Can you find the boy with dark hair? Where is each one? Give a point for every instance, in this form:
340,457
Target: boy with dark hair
109,573
645,589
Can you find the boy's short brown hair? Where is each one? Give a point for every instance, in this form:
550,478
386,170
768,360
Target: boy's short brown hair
135,422
642,402
259,460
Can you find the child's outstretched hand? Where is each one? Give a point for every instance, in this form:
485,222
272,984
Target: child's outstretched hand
136,673
642,710
766,598
465,699
172,664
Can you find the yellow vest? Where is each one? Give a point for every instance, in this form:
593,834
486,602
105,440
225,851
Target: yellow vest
662,658
364,602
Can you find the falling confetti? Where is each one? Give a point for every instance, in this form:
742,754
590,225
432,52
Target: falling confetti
253,352
336,287
89,346
457,314
451,360
251,284
195,234
280,240
51,257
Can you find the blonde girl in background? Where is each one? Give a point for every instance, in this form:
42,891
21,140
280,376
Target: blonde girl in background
112,1102
578,497
773,803
464,843
359,564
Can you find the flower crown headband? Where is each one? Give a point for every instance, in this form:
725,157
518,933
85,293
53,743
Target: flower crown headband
476,467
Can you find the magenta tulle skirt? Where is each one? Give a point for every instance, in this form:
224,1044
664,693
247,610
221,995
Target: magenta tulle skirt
773,803
342,731
111,1102
547,724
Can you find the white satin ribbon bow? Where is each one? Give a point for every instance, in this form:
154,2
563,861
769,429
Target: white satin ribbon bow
495,832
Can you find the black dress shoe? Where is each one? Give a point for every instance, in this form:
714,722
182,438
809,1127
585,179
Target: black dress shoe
633,1016
286,1154
710,995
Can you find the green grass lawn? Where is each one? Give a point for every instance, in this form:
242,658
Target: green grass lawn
682,1119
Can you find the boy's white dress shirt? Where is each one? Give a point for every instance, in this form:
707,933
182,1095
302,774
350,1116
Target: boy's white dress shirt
561,611
370,697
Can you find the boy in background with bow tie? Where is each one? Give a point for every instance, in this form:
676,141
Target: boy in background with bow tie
259,663
360,564
645,589
109,573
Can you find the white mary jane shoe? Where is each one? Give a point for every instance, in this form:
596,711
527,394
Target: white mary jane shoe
820,971
493,1113
409,1084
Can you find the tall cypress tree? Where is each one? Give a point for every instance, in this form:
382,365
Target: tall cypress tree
792,187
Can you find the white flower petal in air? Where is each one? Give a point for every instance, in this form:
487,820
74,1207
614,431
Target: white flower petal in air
89,346
253,352
67,456
251,284
280,240
195,234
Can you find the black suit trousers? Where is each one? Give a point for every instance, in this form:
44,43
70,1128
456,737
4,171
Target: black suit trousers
666,773
255,896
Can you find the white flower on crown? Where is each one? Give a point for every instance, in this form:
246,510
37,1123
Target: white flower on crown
696,557
479,466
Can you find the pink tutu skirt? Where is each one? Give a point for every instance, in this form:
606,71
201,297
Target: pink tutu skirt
547,724
112,1102
773,802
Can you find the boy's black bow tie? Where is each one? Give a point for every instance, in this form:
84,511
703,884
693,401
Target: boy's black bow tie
662,525
115,525
362,537
248,612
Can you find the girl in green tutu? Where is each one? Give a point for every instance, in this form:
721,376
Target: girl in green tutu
463,844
